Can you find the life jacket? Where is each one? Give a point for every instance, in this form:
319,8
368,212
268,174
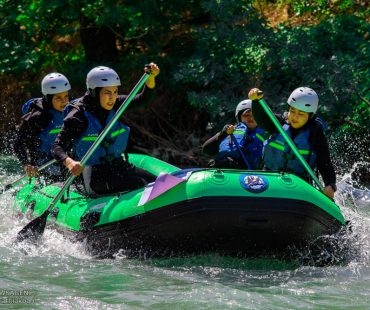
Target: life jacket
30,104
70,105
48,135
50,132
250,141
278,155
113,145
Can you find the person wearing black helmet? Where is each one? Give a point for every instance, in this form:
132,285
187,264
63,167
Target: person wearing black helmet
307,132
247,134
107,170
41,122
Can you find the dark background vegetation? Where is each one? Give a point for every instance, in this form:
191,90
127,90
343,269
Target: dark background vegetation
210,54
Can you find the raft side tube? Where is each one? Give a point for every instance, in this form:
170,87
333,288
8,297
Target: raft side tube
151,164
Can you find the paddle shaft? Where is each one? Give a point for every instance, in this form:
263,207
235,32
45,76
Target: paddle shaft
290,143
9,186
100,138
241,151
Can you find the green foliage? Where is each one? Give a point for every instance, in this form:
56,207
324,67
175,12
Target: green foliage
210,52
35,36
238,51
324,8
230,51
328,57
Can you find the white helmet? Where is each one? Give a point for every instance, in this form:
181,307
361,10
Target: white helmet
304,99
54,83
242,106
102,77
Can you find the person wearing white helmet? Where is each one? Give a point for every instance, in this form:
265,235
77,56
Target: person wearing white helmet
247,134
41,122
107,171
307,132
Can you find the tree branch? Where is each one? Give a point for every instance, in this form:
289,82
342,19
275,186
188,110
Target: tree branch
363,98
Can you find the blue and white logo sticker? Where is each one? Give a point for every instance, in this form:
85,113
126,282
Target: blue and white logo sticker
254,183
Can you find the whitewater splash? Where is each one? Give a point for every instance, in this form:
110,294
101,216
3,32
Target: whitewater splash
53,243
351,244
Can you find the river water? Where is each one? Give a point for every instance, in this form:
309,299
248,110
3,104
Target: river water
58,274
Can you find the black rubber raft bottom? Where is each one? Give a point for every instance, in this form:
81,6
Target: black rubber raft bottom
225,225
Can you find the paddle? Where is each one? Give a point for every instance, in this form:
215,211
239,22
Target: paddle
290,143
36,227
240,151
10,185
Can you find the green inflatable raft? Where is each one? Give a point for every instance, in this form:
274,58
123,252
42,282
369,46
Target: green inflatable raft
191,211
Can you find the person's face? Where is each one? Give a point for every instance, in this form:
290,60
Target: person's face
297,118
60,100
108,96
247,118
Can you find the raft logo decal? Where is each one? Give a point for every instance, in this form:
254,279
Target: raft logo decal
253,183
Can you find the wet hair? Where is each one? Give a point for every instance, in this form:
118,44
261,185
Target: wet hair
47,101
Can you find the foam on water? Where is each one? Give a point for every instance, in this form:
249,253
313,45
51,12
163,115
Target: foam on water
351,244
64,276
52,242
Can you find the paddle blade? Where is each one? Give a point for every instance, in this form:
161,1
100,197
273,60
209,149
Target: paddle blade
34,229
9,186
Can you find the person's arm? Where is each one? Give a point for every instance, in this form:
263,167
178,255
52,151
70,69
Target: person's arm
324,164
140,100
259,114
146,94
21,143
210,147
27,140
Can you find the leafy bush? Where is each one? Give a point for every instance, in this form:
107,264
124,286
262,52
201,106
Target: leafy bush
210,53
